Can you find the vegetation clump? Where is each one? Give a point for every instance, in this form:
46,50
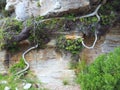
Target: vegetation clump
73,46
108,12
8,29
103,74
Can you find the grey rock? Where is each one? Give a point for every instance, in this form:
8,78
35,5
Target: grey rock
7,88
2,58
46,8
112,40
62,6
27,86
4,82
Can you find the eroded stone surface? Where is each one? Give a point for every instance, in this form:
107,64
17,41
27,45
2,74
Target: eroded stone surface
106,44
112,39
29,8
2,58
52,69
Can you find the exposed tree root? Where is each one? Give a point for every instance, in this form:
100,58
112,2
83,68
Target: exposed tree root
93,42
27,64
89,15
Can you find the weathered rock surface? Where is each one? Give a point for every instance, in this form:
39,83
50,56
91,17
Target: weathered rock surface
2,58
58,6
106,44
51,68
28,8
27,86
112,39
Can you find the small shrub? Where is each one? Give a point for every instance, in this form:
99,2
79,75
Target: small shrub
9,29
73,46
103,74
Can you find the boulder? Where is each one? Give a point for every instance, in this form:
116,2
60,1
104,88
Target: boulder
28,8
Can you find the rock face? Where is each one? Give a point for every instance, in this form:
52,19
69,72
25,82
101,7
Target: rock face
28,8
106,44
61,6
2,58
112,39
51,68
23,8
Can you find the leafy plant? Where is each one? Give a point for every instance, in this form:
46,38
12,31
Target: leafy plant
108,12
103,74
73,46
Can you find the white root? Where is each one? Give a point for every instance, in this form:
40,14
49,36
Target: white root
89,15
27,64
93,13
93,42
